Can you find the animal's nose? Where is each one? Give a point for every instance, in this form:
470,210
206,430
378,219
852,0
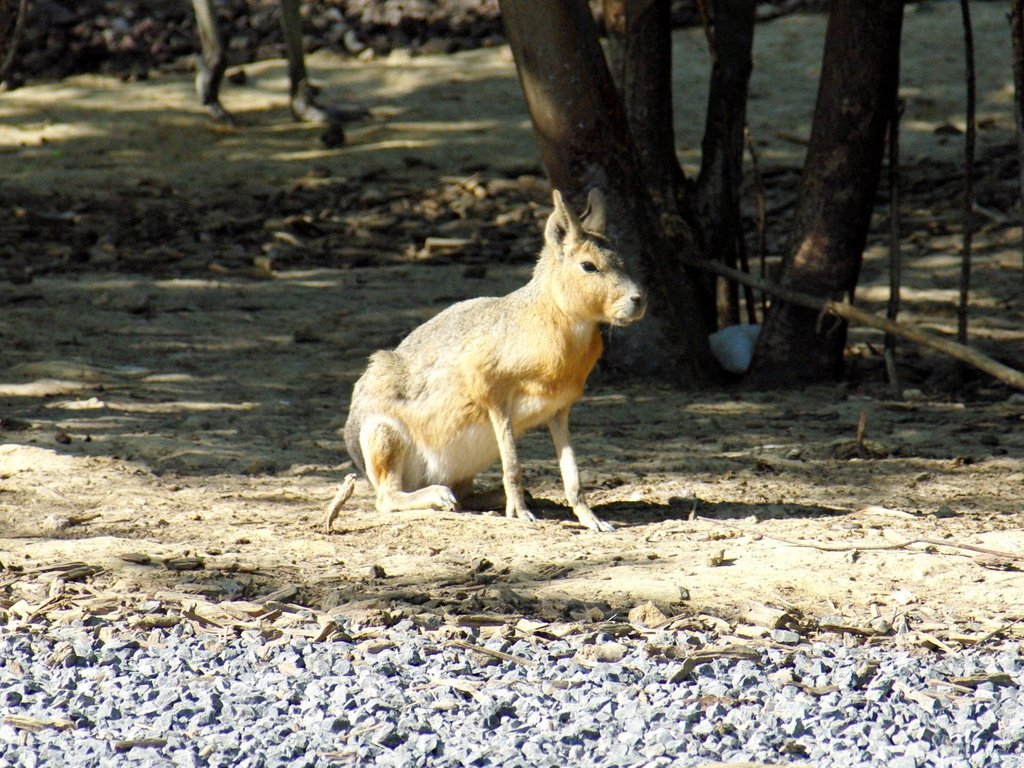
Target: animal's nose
638,301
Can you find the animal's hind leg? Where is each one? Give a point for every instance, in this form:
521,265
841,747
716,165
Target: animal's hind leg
386,448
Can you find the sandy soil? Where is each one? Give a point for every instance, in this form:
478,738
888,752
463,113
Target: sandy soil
166,410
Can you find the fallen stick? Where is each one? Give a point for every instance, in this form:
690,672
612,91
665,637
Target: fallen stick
334,507
982,362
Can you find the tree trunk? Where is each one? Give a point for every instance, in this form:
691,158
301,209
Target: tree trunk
640,57
859,76
640,42
585,142
721,170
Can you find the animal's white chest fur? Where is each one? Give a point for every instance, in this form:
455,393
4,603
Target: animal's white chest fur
471,451
528,412
476,447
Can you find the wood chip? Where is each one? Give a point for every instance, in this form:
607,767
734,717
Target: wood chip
160,621
877,510
923,698
209,590
549,630
23,723
489,652
691,661
998,679
613,628
996,563
124,746
603,652
280,595
185,563
478,620
62,566
242,609
202,621
551,572
763,615
928,641
839,625
718,558
61,653
647,614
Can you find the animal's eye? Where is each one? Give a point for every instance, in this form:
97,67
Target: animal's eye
589,266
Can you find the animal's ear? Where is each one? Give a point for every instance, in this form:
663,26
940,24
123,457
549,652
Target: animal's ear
593,218
562,224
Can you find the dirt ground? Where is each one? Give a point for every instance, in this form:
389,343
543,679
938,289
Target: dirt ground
188,305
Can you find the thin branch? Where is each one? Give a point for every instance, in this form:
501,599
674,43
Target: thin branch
709,33
965,262
762,214
895,265
14,40
871,547
982,362
748,293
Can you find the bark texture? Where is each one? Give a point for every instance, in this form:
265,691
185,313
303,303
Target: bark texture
721,171
856,93
585,141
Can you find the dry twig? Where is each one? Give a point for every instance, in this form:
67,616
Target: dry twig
755,166
873,547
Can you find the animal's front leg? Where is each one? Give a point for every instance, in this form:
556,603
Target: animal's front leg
512,473
559,426
213,62
305,106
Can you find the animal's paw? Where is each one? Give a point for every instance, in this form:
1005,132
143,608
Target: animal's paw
440,497
522,513
593,522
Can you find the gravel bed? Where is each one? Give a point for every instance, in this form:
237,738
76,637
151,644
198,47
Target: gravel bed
411,696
